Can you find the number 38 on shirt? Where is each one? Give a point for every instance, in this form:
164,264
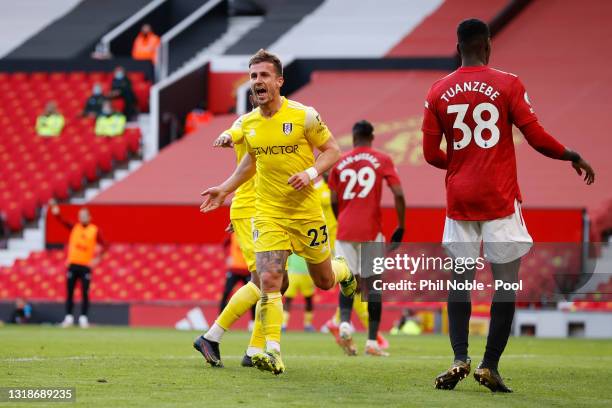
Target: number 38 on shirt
485,116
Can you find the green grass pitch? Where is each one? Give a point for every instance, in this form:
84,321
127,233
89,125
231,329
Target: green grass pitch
123,367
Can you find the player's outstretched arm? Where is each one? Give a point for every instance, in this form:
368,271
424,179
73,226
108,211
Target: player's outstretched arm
330,154
547,145
55,211
215,196
223,140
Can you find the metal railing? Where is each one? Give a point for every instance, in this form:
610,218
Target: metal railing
104,46
163,65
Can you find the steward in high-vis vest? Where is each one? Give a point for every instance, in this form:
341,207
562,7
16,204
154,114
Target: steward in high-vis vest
82,244
146,45
51,122
110,123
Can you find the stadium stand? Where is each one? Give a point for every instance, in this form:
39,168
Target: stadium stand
74,34
436,36
25,18
132,272
161,15
193,272
35,169
323,34
277,21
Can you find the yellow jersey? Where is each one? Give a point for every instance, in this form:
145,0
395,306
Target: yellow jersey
243,203
328,212
283,146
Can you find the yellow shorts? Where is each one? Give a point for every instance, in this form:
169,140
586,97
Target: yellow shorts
307,238
300,283
243,228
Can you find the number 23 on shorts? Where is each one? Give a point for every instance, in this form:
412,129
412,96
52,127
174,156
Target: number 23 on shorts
319,236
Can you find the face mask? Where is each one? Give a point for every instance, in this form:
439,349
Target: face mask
97,90
119,75
106,111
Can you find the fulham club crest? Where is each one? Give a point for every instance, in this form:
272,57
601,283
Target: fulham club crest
287,128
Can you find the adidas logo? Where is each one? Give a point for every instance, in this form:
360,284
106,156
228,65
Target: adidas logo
195,320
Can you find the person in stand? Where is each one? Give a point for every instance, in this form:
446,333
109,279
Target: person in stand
51,122
84,239
110,123
95,102
22,313
121,87
145,45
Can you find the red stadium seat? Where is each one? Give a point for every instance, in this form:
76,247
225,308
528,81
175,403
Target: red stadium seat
133,139
38,77
91,167
141,91
100,77
29,205
41,168
19,77
13,216
60,186
77,77
104,157
57,77
118,147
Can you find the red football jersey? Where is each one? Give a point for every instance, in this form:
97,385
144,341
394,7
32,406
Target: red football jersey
475,108
357,180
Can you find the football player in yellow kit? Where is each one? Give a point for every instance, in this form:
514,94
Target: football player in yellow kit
281,136
242,213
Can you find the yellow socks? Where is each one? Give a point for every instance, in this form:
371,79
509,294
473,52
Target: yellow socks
361,308
245,298
271,315
336,318
258,340
307,318
341,270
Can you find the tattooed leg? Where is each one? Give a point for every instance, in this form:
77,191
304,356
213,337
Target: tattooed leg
271,268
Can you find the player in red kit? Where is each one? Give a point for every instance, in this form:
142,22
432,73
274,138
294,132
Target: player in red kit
356,183
475,108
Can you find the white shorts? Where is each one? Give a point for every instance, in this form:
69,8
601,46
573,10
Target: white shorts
504,239
351,251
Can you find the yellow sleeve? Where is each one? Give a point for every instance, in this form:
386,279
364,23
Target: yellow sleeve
315,129
235,131
249,149
62,121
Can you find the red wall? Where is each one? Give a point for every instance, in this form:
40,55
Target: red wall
185,224
222,90
146,223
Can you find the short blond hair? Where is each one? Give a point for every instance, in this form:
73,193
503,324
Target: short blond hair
266,56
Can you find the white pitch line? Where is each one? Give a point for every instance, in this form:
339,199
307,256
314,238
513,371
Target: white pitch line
286,356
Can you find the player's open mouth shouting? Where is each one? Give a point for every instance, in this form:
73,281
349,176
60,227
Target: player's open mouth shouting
260,92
